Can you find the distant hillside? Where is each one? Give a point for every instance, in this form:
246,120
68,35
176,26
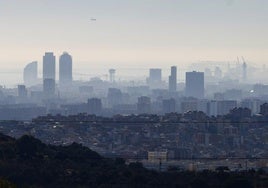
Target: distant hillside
27,162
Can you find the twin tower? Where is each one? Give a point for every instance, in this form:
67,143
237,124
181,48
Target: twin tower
65,68
49,73
30,72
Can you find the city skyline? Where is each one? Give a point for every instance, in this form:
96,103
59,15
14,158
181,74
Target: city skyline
140,32
141,93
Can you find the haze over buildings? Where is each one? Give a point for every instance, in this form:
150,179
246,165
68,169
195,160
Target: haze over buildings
174,69
133,33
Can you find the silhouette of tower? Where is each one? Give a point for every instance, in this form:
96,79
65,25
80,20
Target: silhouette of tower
144,105
112,75
49,66
65,69
173,79
194,86
49,88
30,74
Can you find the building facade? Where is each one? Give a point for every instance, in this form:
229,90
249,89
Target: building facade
195,85
49,66
173,79
30,74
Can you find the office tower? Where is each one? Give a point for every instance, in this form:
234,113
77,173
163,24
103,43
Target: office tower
169,105
155,75
195,84
22,92
30,74
155,78
114,97
173,79
94,106
144,105
49,66
222,107
65,69
49,88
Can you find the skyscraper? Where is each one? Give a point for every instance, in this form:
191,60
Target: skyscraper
144,105
169,105
155,75
155,78
195,86
22,92
30,74
49,66
65,69
49,88
173,79
114,97
94,106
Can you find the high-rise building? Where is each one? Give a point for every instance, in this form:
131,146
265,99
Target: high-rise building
30,74
155,78
221,107
49,66
94,106
49,88
155,75
195,85
22,92
114,97
65,69
169,105
173,79
144,105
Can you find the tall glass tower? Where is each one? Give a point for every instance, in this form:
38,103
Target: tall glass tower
49,66
65,69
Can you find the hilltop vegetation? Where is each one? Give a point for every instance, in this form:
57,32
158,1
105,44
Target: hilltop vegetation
27,162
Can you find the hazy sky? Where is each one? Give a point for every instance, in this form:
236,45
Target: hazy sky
133,32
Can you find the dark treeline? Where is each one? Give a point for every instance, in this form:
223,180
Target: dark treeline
27,162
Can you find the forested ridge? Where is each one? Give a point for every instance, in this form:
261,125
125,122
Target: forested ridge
27,162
